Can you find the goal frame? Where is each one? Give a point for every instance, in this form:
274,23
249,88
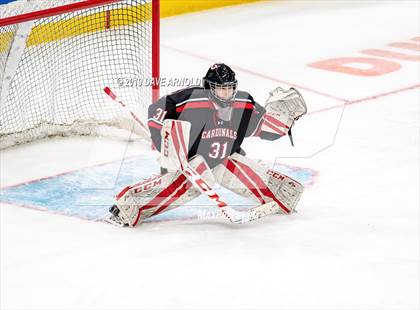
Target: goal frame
85,4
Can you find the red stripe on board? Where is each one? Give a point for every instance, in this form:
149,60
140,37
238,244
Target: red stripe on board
231,167
261,185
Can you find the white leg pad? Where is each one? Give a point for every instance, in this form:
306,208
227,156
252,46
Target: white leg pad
249,179
160,193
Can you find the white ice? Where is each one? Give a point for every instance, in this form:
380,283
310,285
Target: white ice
354,243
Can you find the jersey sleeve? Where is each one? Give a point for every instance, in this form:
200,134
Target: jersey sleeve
164,108
255,123
255,119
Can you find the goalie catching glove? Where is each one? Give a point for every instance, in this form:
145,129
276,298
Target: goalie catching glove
283,108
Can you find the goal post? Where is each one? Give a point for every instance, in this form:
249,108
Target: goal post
56,57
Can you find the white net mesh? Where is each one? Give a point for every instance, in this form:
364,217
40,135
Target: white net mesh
55,86
27,6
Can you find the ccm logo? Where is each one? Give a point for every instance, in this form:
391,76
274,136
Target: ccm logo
275,174
166,144
147,186
203,185
205,188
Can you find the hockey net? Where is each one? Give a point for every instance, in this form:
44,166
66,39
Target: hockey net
55,61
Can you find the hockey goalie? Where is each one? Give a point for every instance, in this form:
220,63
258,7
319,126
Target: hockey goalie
198,132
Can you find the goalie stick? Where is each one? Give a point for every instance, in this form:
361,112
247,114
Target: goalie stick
205,188
235,216
143,127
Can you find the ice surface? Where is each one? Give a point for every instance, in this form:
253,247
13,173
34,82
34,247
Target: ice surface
354,243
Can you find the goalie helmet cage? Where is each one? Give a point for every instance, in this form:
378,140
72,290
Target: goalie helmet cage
56,57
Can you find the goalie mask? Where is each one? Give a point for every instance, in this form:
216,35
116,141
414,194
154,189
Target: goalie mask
222,85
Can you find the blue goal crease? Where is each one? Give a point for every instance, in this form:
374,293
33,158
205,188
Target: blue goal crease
89,192
6,1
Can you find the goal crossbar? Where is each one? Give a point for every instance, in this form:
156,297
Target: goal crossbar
52,56
21,18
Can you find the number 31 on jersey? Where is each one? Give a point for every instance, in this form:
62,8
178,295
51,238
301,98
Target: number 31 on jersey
218,150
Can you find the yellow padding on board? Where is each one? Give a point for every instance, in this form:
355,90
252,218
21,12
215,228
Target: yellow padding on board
76,26
5,40
87,24
54,31
177,7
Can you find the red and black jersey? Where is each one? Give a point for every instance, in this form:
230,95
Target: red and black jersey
211,136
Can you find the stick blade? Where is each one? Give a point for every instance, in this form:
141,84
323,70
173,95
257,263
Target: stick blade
261,211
